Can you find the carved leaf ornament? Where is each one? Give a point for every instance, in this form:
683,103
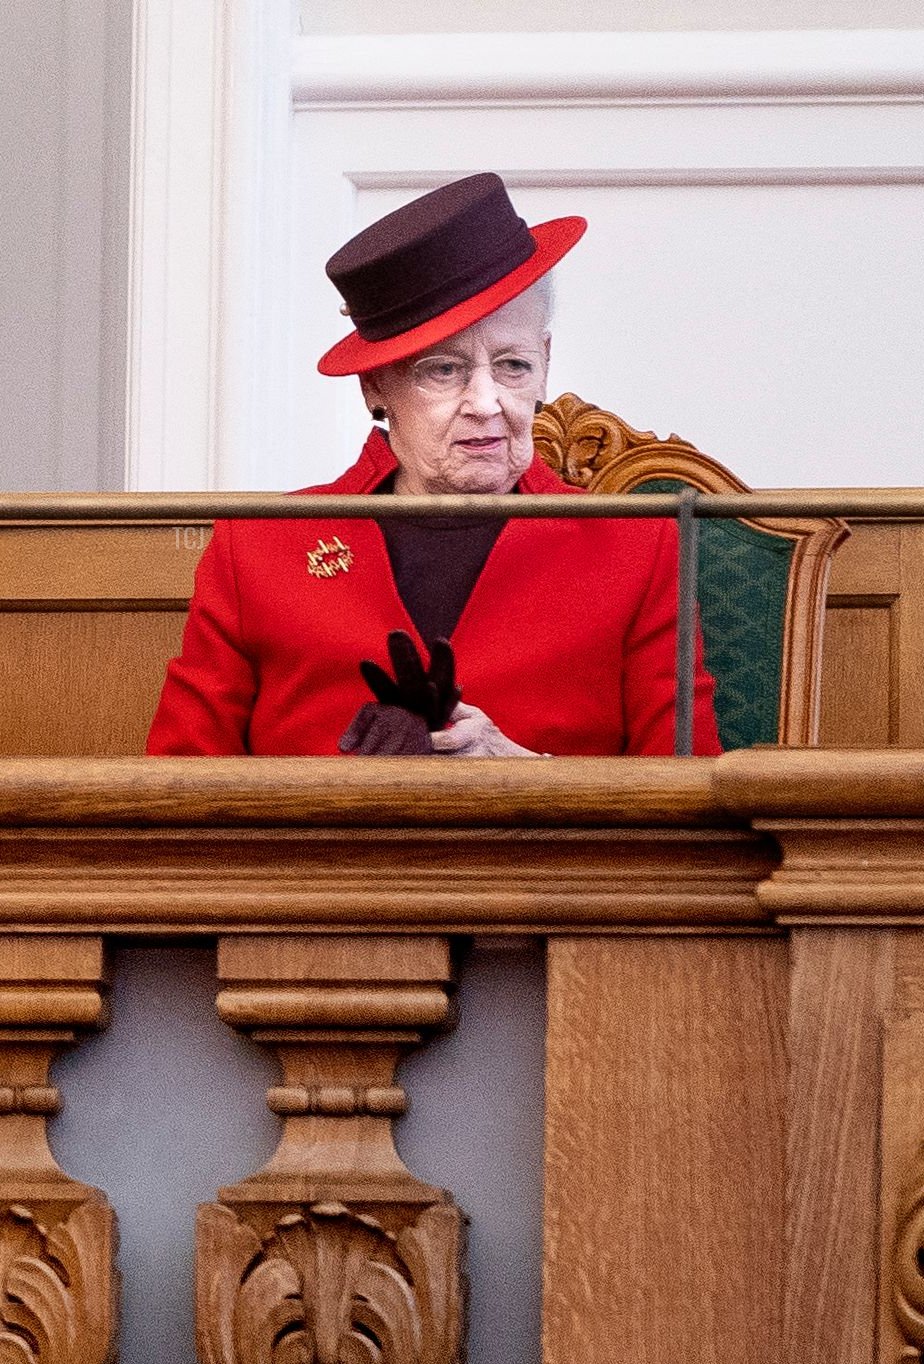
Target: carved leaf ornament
586,446
55,1297
908,1263
329,1286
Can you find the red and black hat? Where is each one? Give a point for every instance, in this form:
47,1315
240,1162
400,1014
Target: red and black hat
434,267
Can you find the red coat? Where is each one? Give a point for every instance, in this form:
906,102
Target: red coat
567,641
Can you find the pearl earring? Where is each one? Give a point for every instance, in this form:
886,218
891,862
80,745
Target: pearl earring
378,413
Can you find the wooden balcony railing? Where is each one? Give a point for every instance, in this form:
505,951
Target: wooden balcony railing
734,1051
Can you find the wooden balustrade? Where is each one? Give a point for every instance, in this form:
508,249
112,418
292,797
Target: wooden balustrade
58,1286
734,1136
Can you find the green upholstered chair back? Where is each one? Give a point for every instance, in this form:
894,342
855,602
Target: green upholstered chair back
742,584
761,584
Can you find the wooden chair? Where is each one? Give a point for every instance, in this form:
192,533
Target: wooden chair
762,583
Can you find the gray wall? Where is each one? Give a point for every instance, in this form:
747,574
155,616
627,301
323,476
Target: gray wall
64,148
450,16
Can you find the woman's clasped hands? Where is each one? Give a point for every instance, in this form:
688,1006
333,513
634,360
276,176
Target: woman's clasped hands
419,711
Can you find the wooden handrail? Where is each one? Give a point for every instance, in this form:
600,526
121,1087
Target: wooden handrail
349,792
466,793
882,503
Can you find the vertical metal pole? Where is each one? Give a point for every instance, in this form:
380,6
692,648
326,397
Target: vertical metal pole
688,554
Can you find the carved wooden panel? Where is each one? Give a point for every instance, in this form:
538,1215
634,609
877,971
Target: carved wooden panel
57,1285
598,450
334,1253
901,1324
329,1283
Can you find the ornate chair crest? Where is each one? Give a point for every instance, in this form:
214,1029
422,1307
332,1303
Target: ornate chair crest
762,583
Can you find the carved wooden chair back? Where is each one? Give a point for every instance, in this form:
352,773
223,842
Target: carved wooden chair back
762,583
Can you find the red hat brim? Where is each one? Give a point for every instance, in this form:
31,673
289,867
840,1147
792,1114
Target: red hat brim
353,355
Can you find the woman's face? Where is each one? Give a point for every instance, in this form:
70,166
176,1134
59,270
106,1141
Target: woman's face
477,437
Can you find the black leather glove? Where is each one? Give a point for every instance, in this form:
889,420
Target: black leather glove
431,693
386,731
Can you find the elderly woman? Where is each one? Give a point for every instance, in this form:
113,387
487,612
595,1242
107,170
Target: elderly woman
561,633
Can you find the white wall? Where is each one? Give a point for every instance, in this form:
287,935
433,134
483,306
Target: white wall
452,16
752,275
751,280
64,148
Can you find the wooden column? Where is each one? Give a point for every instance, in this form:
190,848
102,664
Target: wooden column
841,986
333,1252
57,1236
850,891
665,1095
665,1085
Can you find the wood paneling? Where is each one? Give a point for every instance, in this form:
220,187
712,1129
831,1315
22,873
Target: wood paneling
63,562
79,682
667,1075
901,1295
856,705
462,878
683,1047
89,616
873,669
666,1087
901,1145
910,665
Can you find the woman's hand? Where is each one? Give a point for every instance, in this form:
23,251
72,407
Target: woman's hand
386,732
474,735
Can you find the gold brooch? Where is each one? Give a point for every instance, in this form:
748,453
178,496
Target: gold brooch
330,557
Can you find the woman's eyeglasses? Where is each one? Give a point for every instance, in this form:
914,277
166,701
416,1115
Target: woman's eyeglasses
448,376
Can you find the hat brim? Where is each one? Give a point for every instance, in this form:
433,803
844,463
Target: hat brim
353,355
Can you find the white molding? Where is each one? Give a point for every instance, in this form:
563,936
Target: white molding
653,177
843,164
210,110
443,69
252,360
172,266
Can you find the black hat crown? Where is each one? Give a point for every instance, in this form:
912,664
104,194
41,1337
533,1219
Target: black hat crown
426,257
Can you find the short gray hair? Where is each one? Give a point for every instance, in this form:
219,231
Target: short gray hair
543,291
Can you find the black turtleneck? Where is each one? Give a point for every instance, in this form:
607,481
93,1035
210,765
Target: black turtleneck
436,562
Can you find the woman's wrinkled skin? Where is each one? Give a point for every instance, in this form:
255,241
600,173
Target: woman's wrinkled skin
478,441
